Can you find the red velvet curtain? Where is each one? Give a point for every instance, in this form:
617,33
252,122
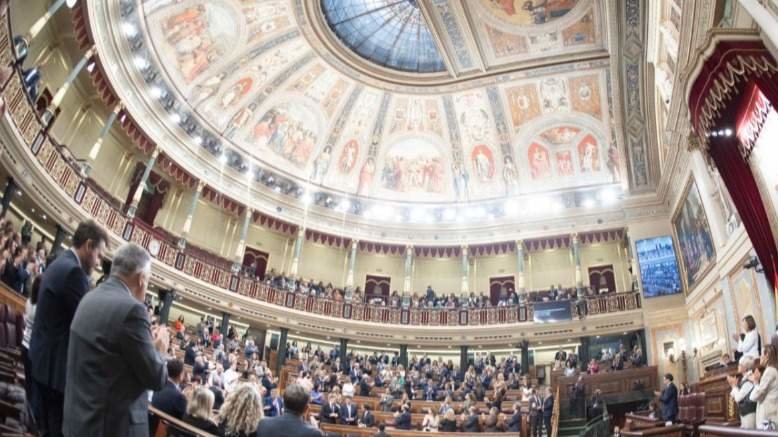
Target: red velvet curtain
739,180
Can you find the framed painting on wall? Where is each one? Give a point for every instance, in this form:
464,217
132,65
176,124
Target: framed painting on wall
695,242
746,298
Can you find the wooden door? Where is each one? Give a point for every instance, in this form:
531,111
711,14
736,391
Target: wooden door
498,284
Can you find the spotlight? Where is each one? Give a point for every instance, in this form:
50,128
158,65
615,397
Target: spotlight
328,201
175,118
418,215
588,203
277,189
608,196
155,92
223,158
141,63
306,198
728,132
344,205
449,214
557,206
198,140
129,30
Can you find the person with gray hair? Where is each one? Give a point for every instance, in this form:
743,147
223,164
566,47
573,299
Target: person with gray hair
114,357
741,390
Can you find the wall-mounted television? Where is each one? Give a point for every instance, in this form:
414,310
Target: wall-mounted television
553,311
658,266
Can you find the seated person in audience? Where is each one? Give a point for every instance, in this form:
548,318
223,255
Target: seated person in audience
348,388
617,363
449,421
330,411
273,404
514,420
241,413
170,400
381,431
386,401
638,359
492,421
471,421
430,422
292,423
402,418
593,367
348,412
367,418
317,398
198,412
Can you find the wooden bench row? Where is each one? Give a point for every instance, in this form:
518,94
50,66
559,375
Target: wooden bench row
353,431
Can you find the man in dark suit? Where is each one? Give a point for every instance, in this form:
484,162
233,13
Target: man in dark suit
274,404
470,423
535,407
514,422
402,419
669,399
330,411
548,410
367,418
348,413
170,400
63,285
292,423
111,331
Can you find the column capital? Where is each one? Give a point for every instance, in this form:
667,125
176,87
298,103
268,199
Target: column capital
200,185
300,232
354,243
574,238
154,153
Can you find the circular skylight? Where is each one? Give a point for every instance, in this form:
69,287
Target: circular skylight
390,33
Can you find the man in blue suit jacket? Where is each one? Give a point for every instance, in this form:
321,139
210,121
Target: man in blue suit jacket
669,399
548,410
402,419
64,283
274,404
348,413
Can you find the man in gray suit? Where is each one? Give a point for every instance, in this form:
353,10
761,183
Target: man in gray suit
292,423
114,357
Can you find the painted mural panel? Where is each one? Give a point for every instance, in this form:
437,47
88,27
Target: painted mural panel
414,165
289,131
525,13
690,225
565,154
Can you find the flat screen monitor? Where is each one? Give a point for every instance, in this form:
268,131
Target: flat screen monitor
554,311
658,266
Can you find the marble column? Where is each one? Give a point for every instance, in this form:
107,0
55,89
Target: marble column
59,238
343,353
524,347
710,197
281,353
190,215
404,355
465,271
48,114
95,150
576,248
297,251
241,248
520,285
142,184
8,195
224,326
352,262
41,22
166,298
463,364
408,269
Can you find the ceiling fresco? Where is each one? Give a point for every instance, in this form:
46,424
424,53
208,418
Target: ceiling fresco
246,70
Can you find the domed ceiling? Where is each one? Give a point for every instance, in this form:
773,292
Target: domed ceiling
404,101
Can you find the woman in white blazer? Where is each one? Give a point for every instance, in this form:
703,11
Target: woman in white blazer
766,391
748,345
